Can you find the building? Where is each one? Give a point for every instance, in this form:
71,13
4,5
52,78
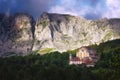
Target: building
85,55
74,60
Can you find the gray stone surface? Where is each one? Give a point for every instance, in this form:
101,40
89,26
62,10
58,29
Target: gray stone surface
59,32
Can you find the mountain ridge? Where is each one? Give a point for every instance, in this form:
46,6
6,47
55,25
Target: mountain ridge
66,29
56,32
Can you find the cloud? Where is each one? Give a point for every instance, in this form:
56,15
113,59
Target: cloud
34,7
90,9
84,8
113,10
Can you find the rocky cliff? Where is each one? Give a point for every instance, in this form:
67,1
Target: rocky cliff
65,32
53,32
16,34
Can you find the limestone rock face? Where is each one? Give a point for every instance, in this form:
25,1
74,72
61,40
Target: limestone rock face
65,32
18,37
53,32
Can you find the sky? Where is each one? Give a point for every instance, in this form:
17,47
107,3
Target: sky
89,9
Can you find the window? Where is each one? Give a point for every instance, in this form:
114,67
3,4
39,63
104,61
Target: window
82,50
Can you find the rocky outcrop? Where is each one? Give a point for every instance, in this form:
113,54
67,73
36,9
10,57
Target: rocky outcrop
17,34
53,32
65,32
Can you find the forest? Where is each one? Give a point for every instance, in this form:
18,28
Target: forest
54,65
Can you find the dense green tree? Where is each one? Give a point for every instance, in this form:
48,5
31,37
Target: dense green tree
54,65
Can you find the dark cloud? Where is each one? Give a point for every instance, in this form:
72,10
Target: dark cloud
90,9
34,7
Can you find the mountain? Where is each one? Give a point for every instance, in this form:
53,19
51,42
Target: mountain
65,32
16,34
53,32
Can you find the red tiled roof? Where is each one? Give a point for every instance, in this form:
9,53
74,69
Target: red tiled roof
87,61
75,59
